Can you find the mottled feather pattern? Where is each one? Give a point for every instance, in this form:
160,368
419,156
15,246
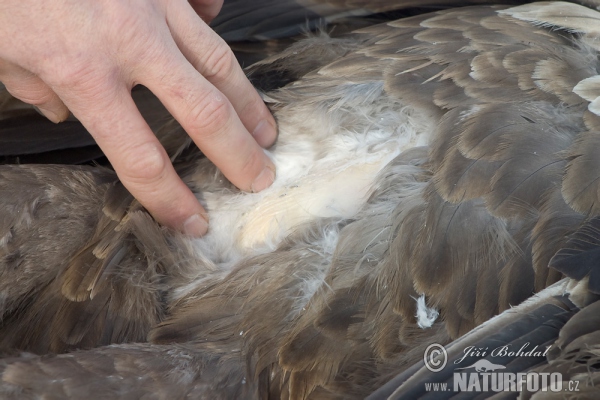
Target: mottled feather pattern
492,219
95,289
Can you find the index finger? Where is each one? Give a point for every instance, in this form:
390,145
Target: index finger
209,118
212,57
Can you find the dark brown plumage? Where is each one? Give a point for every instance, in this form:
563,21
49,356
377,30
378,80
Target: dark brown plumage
493,108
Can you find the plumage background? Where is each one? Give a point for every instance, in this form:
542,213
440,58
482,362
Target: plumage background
454,148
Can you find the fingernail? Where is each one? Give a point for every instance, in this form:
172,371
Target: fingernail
195,226
50,115
264,180
264,133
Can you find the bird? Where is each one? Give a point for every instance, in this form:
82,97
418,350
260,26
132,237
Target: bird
437,183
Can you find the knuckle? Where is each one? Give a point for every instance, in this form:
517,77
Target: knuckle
255,106
79,71
72,75
144,164
84,81
208,115
219,63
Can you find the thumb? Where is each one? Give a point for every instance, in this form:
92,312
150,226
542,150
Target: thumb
30,89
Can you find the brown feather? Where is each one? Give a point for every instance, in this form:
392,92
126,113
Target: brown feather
470,222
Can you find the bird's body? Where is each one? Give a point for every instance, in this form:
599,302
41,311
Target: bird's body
328,160
433,164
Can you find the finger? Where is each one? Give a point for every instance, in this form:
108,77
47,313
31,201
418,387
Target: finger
30,89
207,9
138,158
211,56
210,119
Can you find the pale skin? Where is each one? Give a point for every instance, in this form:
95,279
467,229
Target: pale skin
86,55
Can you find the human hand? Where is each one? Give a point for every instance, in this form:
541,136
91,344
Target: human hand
86,55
